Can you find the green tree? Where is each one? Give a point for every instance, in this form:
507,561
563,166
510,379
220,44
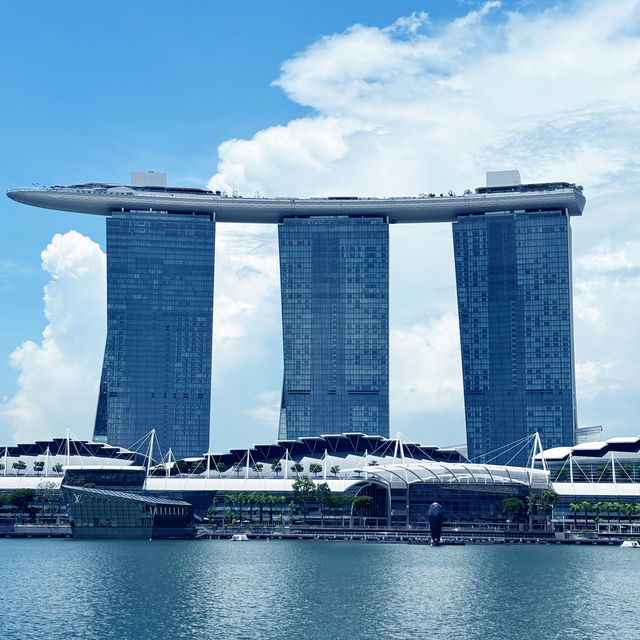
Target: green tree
251,502
360,503
323,497
38,466
271,501
57,467
574,507
342,504
512,507
373,463
586,507
606,507
221,467
20,498
19,466
276,467
230,502
237,467
547,500
335,470
297,468
181,466
198,467
48,494
628,510
617,507
257,467
315,468
304,493
261,502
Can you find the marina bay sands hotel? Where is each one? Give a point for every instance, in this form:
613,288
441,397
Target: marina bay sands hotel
512,248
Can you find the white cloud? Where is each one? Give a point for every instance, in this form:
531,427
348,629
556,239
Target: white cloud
58,377
607,257
246,309
414,107
417,107
422,106
426,371
268,411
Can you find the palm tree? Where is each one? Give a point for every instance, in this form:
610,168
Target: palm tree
628,510
57,467
617,507
251,501
606,507
315,468
276,467
335,470
574,507
261,501
586,507
271,502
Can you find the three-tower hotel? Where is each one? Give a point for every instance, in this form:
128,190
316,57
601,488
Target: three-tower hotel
512,248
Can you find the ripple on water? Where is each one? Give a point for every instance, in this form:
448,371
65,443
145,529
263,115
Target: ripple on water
99,590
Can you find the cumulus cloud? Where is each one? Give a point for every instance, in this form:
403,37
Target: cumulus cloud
424,105
246,309
267,412
426,370
58,376
418,106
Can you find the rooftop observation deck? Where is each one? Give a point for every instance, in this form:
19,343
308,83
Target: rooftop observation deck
104,199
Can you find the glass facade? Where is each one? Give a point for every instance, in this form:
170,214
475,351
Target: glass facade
157,363
334,275
513,274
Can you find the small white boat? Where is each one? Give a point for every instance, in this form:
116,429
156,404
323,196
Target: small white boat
630,544
239,537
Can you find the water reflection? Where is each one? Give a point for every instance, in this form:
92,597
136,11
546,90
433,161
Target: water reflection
217,589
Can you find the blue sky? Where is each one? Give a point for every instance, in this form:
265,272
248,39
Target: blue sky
293,98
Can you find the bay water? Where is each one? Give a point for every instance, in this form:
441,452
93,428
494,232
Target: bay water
73,589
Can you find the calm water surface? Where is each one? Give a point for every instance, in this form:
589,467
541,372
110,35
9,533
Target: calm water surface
310,589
